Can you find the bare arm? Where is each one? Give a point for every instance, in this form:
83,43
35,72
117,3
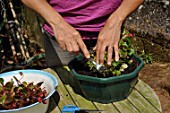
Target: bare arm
127,7
110,34
68,38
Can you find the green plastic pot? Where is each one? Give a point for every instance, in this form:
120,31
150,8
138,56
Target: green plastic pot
105,90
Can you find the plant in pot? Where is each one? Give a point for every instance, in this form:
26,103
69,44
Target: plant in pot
26,91
116,81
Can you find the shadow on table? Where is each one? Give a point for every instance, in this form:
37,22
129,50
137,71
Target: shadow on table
67,78
54,100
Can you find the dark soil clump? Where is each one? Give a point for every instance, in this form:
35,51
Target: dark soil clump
82,69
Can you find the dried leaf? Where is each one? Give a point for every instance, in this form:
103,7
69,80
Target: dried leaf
39,84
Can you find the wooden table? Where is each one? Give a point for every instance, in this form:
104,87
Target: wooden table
141,100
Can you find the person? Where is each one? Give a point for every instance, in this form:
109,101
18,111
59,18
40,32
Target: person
78,25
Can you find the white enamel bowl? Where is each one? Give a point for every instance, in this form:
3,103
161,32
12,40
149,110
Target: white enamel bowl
49,82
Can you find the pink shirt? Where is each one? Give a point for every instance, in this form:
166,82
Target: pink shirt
84,15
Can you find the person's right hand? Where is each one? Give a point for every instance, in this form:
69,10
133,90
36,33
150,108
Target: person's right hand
69,38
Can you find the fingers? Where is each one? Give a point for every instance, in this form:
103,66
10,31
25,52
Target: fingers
102,54
100,51
72,46
72,43
62,45
116,51
109,55
69,39
75,47
83,47
111,45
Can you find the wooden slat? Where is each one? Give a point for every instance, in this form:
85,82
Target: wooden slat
63,94
79,100
71,86
125,107
141,103
141,100
109,108
149,94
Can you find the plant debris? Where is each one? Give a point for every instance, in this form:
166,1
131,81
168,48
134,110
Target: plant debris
23,94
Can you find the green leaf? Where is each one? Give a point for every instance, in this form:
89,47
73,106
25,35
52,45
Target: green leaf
24,83
9,85
129,40
118,72
121,70
130,53
124,49
24,90
124,44
9,99
20,88
130,61
123,54
114,64
2,81
12,81
124,66
31,85
113,72
1,88
2,98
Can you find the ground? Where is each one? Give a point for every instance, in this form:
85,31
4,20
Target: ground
157,76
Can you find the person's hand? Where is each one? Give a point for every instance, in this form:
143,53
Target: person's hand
108,39
69,38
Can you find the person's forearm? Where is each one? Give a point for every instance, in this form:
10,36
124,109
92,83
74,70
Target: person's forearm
127,7
45,10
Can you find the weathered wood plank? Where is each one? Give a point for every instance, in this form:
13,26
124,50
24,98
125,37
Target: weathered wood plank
85,104
71,87
125,107
108,107
80,100
149,94
64,96
142,99
141,103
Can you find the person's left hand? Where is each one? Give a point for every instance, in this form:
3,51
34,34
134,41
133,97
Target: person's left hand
109,38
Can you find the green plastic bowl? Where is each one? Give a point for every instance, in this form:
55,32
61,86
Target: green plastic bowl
105,90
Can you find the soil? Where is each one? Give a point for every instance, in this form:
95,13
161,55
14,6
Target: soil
157,76
103,73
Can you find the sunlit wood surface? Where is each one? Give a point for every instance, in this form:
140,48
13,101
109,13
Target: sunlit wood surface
142,99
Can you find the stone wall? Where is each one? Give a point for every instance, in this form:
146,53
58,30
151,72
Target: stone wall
151,22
